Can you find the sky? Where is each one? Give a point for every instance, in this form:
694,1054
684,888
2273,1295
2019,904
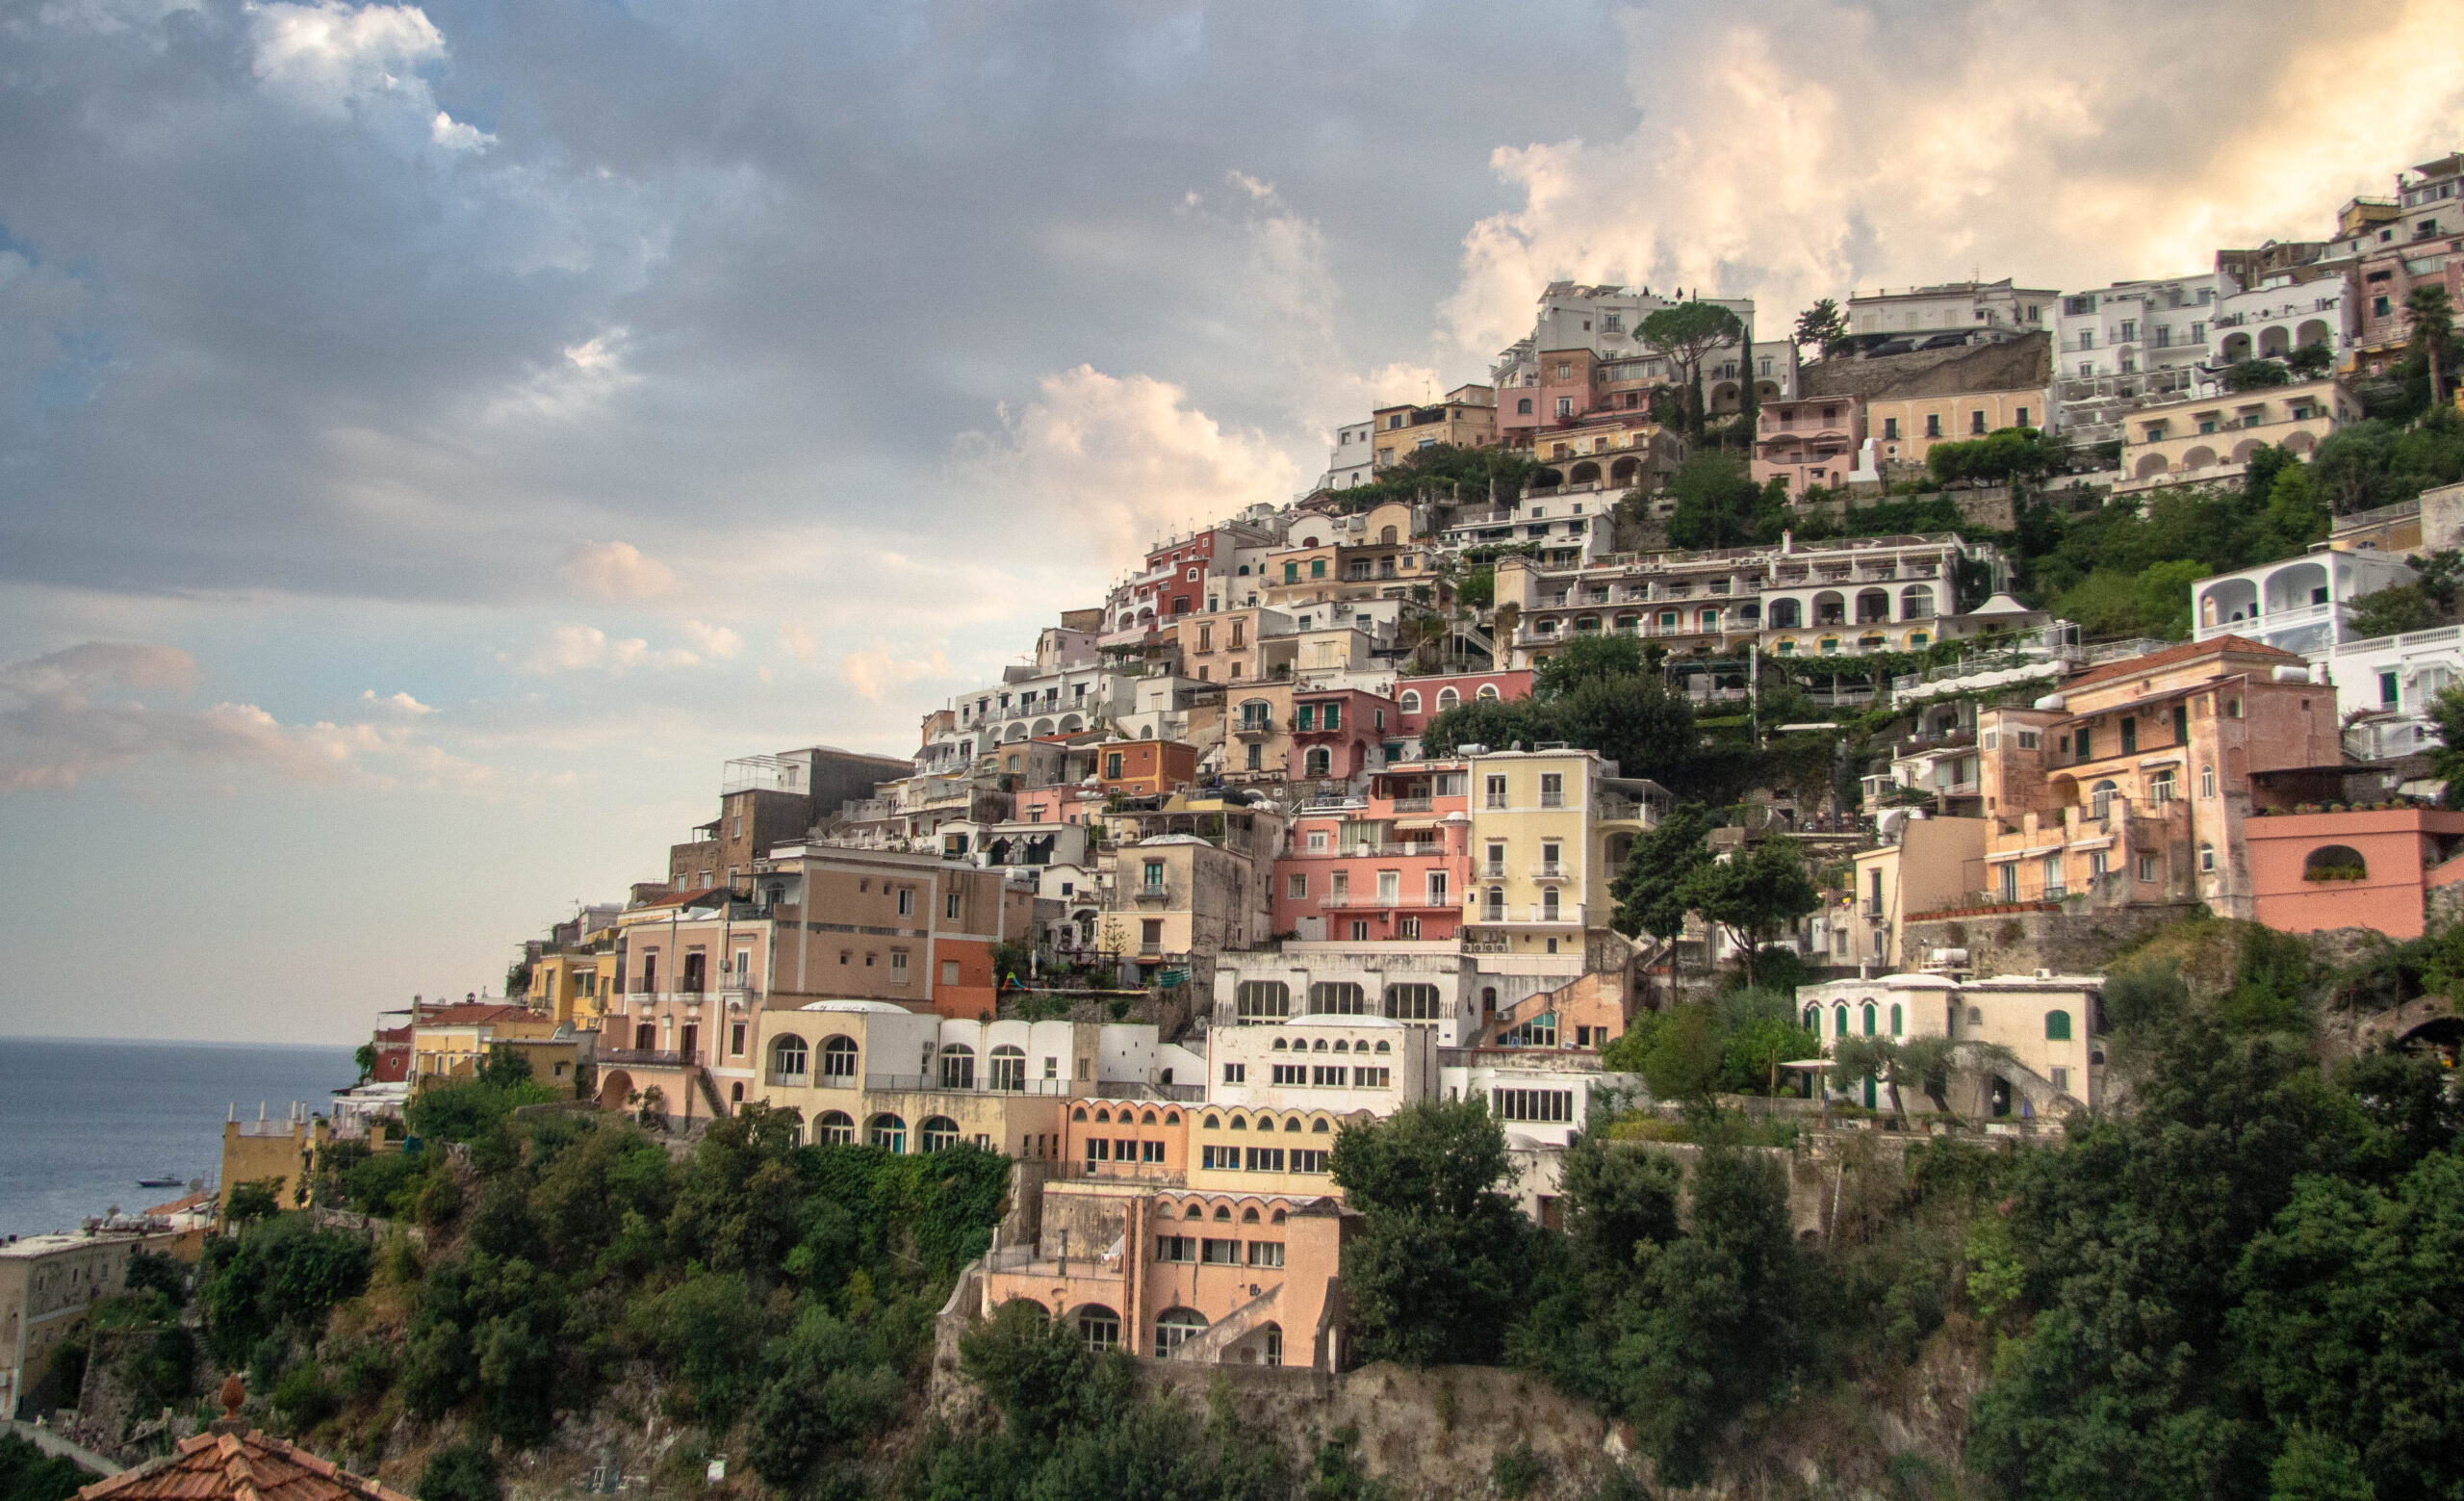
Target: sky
434,437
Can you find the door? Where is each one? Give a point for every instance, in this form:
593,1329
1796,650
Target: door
688,1041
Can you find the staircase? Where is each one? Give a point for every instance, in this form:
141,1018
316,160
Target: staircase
709,1093
1224,1334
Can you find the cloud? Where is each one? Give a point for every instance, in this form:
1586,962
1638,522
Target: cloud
873,671
396,703
339,62
801,642
56,728
576,385
580,648
1124,460
716,641
617,571
1821,146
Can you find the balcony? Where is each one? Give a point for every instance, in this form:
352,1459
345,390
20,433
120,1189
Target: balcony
640,1058
1550,870
926,1083
1398,901
1413,804
1152,896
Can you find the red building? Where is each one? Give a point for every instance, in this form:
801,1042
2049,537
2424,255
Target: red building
1419,700
393,1044
2362,868
1146,769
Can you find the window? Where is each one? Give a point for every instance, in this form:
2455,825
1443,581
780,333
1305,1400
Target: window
907,901
1265,1252
1113,766
1546,1105
950,908
898,967
1496,787
1415,1003
1523,407
2147,868
888,1132
2129,735
838,1060
1154,881
1552,789
1219,1252
1891,428
1175,1248
1265,1159
2060,1077
2207,781
2207,857
1932,424
1008,1069
788,1060
1976,423
2022,418
1372,1079
1261,1000
1336,998
938,1134
1236,1073
2057,1026
834,1129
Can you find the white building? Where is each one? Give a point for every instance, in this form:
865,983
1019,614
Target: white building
1336,1063
1952,307
2134,327
1572,528
1541,1096
1431,984
1352,460
2285,312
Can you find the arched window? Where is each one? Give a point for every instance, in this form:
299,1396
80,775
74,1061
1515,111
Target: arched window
836,1127
1336,998
1869,1018
1263,1000
1488,691
1448,698
1172,1117
788,1059
1384,1047
2335,863
1292,1124
1896,1030
1149,1119
1175,1328
1223,1213
1209,1123
1814,1019
1523,406
838,1060
1839,1020
1239,1123
1079,1114
1249,1216
888,1132
1410,702
1009,1067
939,1134
1099,1326
957,1066
1414,1003
1194,1212
1103,1118
2057,1026
1319,1126
1318,762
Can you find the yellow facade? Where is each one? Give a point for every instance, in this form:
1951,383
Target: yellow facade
571,986
1245,1150
1531,857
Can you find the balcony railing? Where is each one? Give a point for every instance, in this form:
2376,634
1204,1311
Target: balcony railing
930,1083
1413,804
640,1057
1359,899
1548,871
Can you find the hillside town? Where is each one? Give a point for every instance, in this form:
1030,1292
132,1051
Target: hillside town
1696,647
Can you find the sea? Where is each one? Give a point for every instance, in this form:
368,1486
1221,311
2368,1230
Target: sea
81,1121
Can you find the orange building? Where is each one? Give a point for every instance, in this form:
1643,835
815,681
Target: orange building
1146,769
1127,1140
2364,868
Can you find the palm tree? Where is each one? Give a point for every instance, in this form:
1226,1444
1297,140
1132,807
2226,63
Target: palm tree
2433,319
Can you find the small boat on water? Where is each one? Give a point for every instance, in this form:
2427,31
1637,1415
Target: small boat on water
159,1183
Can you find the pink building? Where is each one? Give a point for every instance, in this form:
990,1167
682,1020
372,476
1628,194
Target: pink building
1208,1278
1419,700
1339,734
1810,441
2365,868
1394,865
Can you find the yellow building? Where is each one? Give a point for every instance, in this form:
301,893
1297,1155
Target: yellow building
1468,418
1236,1150
573,985
1550,829
284,1150
448,1043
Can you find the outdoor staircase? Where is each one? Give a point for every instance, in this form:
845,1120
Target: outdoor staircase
1224,1334
709,1093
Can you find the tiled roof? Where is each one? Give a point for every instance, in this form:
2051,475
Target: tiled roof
480,1015
2188,650
249,1468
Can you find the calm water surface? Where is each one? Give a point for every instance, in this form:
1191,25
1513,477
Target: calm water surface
81,1121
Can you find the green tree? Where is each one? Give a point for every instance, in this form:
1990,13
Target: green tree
1683,335
2311,361
464,1470
28,1474
366,1058
1716,503
2432,316
1822,325
1650,886
1755,895
254,1198
1435,1273
2394,610
2005,456
2252,375
1581,658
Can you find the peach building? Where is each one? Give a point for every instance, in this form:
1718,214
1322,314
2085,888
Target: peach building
1811,441
2133,782
1217,1279
2363,867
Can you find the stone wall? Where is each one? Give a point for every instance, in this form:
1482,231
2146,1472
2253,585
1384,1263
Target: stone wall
2021,943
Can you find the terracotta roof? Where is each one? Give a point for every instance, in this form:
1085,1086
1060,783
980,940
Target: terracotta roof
191,1202
474,1015
2188,650
249,1468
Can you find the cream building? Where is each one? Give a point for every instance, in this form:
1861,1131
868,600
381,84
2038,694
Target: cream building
1550,828
2049,1021
45,1283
